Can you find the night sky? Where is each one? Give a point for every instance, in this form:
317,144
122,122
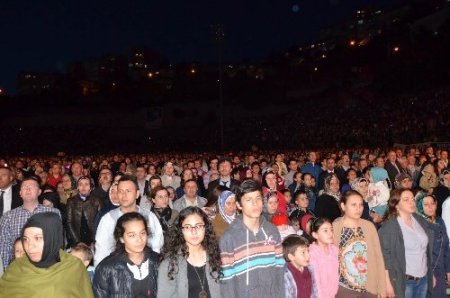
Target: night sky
45,35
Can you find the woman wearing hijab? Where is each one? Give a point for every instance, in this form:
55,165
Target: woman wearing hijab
327,204
47,271
227,211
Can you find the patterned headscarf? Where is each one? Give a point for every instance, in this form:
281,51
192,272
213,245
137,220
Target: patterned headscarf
420,196
223,198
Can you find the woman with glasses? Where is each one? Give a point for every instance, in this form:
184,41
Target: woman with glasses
406,245
190,257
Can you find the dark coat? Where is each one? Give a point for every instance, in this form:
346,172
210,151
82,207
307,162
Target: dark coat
74,208
213,184
327,206
113,278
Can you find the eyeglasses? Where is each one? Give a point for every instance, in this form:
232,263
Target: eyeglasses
197,228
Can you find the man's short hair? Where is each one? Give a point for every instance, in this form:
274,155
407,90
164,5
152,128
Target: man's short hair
85,250
10,171
246,187
291,243
130,178
225,159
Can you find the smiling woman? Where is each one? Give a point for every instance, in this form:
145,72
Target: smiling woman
46,271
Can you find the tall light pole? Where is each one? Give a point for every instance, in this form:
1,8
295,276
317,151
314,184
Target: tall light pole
219,36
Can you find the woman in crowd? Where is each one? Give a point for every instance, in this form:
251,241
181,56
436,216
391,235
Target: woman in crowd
271,203
270,185
70,188
160,207
406,245
426,206
361,266
46,271
226,205
132,269
327,204
190,258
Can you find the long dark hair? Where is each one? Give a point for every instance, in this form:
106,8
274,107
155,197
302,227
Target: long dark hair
119,230
175,244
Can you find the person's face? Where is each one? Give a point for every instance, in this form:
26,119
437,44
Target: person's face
154,183
255,169
392,157
272,204
251,204
128,193
197,164
411,160
213,164
30,191
444,155
406,183
161,199
313,182
324,234
56,170
430,151
33,243
293,165
140,174
18,250
169,169
134,237
47,203
312,156
152,170
429,206
363,188
407,203
105,177
193,228
353,208
60,188
275,168
84,187
447,180
296,226
334,185
398,153
77,169
236,160
351,176
187,174
225,169
67,183
300,258
302,201
307,179
271,180
236,176
5,178
345,160
330,164
190,189
288,197
248,173
362,164
441,164
380,162
230,206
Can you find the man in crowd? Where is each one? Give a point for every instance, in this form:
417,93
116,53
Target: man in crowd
190,197
12,222
169,178
225,179
9,193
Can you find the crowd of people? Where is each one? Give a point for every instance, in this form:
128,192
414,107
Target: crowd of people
348,223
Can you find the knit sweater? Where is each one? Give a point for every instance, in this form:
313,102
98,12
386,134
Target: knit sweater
252,263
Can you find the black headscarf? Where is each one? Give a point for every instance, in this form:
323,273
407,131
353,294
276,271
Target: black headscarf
52,230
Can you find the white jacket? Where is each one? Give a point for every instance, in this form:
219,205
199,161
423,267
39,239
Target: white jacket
104,238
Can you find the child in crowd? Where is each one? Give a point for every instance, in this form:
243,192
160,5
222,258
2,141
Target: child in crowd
295,224
84,253
301,202
324,258
288,198
281,221
18,249
298,281
251,250
270,206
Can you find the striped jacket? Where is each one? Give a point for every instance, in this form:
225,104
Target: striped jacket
252,263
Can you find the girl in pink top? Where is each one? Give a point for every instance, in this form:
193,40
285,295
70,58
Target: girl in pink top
324,259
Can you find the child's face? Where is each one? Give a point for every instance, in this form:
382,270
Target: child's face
80,256
300,258
251,204
272,205
288,197
302,201
325,234
18,250
296,226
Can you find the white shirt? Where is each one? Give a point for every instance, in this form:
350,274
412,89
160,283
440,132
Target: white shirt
104,238
7,199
